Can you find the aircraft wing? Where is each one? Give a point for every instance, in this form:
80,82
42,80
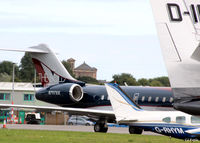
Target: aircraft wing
79,111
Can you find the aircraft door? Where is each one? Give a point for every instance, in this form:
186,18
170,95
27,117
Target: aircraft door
136,97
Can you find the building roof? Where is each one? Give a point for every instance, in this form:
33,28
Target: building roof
85,66
71,60
18,86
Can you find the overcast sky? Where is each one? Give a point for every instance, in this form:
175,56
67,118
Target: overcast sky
115,36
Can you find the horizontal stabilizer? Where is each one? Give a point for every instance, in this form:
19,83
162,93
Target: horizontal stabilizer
34,49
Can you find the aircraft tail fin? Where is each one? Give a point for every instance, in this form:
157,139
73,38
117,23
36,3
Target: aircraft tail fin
49,68
179,41
123,106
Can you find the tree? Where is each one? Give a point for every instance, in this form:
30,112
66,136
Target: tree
143,82
4,77
88,79
7,67
124,77
26,68
6,71
68,67
155,83
164,81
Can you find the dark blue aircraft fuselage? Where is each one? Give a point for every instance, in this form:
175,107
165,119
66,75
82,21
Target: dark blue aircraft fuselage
96,96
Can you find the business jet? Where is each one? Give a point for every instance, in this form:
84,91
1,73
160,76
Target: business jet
65,91
178,27
171,123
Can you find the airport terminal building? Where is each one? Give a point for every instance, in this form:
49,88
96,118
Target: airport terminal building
24,94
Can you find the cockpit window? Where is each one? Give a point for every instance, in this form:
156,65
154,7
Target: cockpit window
195,119
167,120
180,119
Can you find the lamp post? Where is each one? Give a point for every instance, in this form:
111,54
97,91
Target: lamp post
34,79
13,82
13,88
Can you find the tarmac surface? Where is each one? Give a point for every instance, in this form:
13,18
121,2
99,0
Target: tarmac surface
78,128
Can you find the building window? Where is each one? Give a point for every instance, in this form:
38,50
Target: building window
4,96
28,97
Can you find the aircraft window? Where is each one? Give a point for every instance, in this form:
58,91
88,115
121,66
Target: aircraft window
164,99
167,120
102,97
157,98
143,98
149,99
180,119
195,119
171,99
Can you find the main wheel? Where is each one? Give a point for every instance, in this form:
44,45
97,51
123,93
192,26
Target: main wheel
135,130
104,130
100,128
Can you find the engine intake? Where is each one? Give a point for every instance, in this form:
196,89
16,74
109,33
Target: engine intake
76,92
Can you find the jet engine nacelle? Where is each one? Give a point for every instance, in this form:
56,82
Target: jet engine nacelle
76,92
61,94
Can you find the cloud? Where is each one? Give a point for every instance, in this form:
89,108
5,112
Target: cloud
103,17
113,35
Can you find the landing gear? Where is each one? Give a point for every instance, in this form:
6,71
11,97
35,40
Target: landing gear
101,126
135,130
